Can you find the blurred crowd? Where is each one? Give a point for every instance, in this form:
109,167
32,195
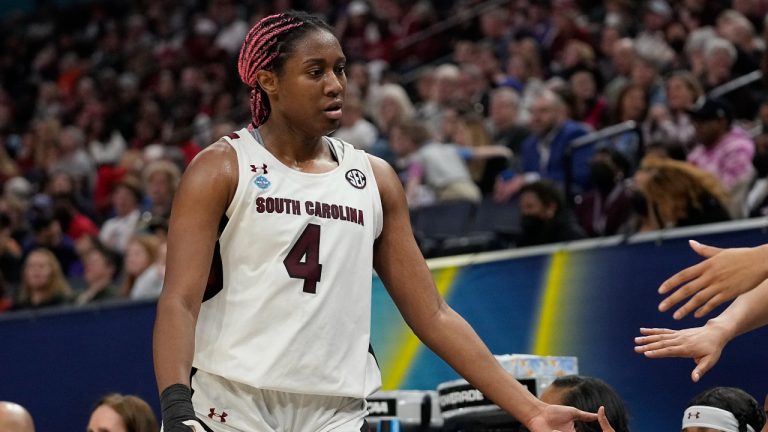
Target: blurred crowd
587,118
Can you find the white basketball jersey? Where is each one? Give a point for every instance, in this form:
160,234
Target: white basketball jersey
294,312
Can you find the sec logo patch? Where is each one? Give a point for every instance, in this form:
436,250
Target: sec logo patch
356,178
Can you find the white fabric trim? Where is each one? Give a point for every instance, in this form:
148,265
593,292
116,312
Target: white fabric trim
711,417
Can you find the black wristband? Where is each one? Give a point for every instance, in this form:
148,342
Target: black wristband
176,406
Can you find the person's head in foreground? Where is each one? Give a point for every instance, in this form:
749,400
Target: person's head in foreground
15,418
588,394
122,413
723,409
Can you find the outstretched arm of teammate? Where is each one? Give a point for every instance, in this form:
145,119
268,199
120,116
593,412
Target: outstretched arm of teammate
722,276
402,268
204,193
705,344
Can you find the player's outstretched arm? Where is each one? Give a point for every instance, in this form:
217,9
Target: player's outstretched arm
722,276
402,268
205,190
705,344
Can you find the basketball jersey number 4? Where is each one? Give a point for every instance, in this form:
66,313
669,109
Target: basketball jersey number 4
303,260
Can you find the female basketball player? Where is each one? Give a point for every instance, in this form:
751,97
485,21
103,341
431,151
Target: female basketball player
299,220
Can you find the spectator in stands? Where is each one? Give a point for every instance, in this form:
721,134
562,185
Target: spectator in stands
42,282
695,47
589,394
61,183
361,84
733,26
73,222
393,106
726,409
443,95
524,73
10,252
720,58
355,128
651,54
100,266
8,166
116,413
484,160
589,106
160,178
675,127
149,283
15,418
632,105
47,233
140,254
656,16
431,171
118,229
675,194
544,153
607,206
364,36
474,87
724,150
622,54
502,116
73,159
544,217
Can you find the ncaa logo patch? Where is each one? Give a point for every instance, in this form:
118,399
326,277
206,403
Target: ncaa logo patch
262,182
356,178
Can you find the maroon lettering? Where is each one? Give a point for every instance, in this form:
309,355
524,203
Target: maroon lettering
303,260
279,205
260,204
270,204
326,211
295,207
334,211
352,215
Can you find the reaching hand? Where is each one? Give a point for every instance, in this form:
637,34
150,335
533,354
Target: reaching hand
559,418
504,190
703,344
605,426
724,275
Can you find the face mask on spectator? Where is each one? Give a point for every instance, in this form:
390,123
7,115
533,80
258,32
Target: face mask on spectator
532,224
603,176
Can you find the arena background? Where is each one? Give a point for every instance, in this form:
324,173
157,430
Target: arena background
586,299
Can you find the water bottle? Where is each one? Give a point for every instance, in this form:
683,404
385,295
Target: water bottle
389,424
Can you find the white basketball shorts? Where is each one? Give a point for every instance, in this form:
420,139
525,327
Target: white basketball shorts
227,406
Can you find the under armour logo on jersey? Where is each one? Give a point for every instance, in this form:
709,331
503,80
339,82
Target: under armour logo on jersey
356,178
262,169
219,417
690,414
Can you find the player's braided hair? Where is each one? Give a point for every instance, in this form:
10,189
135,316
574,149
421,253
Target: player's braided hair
266,47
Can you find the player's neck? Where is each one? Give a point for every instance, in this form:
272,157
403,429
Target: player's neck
297,150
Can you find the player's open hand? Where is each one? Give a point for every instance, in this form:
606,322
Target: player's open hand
703,344
724,275
559,418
